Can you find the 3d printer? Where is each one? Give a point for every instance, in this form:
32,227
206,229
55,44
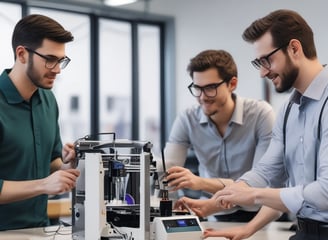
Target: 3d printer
112,196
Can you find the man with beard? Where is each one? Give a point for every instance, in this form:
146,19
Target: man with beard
33,162
292,176
227,133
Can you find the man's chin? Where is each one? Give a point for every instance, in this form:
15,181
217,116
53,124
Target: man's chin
280,89
47,86
209,113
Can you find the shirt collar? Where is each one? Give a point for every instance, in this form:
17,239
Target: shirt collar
238,113
315,90
8,89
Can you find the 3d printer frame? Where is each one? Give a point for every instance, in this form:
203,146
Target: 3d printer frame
89,205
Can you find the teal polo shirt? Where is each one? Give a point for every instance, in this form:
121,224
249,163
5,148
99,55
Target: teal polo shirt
29,141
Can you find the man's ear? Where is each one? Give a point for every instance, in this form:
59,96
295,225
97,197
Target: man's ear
21,54
233,83
295,46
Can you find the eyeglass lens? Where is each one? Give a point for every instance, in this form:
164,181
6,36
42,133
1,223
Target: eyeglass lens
52,62
209,90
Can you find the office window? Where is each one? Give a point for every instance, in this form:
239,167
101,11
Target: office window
116,82
149,84
9,16
72,86
126,81
115,89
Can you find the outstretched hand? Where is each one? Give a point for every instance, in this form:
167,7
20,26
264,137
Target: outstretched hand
235,194
60,181
233,233
179,178
200,207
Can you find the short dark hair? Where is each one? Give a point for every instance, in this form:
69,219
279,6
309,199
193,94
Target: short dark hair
283,25
218,59
33,29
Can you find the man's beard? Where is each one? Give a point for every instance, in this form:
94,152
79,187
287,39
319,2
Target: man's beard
288,79
34,76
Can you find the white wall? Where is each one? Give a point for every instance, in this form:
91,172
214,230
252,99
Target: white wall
218,24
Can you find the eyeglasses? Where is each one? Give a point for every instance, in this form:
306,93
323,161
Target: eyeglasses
209,90
264,61
51,61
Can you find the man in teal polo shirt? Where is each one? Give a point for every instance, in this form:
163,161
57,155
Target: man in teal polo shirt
33,161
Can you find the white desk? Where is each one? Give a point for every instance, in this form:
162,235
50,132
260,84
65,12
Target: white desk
47,233
274,231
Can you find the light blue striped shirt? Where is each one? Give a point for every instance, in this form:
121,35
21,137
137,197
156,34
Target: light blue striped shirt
302,195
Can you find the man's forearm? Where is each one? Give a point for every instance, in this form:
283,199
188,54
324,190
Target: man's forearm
262,218
13,191
212,185
269,197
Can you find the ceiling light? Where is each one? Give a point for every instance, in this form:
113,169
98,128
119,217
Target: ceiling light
118,2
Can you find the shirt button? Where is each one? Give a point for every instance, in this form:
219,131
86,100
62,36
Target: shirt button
301,139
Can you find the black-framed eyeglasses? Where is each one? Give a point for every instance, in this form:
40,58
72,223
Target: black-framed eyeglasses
51,61
265,61
209,90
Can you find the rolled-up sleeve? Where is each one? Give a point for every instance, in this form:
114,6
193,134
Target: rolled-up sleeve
292,198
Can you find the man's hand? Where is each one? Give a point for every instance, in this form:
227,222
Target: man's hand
201,207
68,155
264,216
60,181
233,233
179,178
244,195
236,194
